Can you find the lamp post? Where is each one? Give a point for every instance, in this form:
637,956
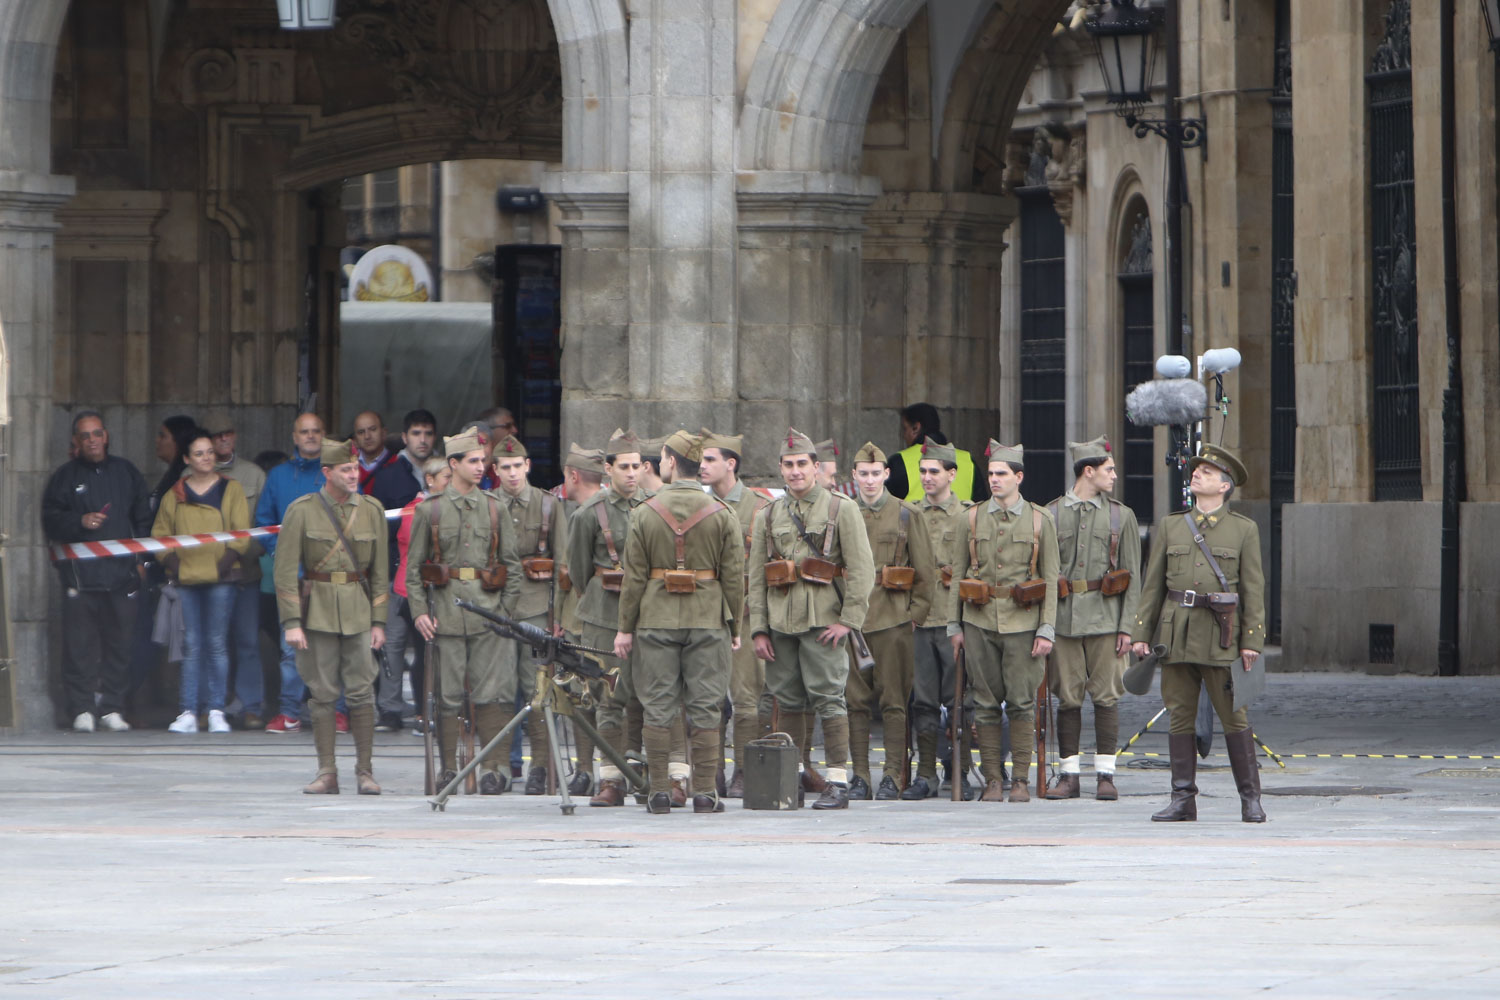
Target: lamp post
306,15
1491,11
1125,40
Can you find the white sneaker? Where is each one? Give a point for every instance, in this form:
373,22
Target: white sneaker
115,723
217,723
187,722
83,722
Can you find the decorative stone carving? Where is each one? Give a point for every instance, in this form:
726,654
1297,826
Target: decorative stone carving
1017,159
1394,51
1138,259
493,62
208,76
1065,174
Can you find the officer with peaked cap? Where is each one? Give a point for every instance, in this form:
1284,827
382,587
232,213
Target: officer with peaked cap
1203,597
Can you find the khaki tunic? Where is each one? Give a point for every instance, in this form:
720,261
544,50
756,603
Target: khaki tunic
307,540
940,519
588,551
804,606
464,538
567,602
1002,544
1083,554
525,509
889,608
713,544
1190,634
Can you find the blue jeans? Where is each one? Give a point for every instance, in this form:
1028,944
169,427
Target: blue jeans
293,691
244,638
206,611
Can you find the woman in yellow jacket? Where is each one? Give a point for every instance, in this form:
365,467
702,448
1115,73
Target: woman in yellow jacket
204,501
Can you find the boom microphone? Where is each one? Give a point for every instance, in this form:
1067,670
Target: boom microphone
1174,401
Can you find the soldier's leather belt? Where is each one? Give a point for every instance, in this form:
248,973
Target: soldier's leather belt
1196,599
339,576
1067,588
698,574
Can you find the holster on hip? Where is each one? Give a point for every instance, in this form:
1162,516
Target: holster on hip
1222,607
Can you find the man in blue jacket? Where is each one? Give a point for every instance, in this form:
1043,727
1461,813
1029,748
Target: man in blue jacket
302,475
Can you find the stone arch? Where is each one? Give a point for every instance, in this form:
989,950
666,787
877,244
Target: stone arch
30,30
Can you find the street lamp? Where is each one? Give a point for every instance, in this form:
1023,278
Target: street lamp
1491,11
306,15
1125,40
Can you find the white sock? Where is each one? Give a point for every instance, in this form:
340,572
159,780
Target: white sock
608,772
1104,763
838,775
678,769
1070,765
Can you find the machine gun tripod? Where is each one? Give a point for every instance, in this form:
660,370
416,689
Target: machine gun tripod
560,688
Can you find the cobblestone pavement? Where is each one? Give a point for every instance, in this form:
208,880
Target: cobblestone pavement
147,865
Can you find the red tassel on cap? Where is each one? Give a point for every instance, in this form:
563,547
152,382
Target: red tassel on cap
1107,448
986,451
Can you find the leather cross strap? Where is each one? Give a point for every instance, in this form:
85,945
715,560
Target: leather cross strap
434,514
828,526
609,536
1213,563
903,524
338,529
681,528
1036,535
1114,535
973,547
548,502
761,503
494,529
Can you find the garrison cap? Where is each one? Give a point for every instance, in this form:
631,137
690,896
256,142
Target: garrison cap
828,451
622,442
935,452
584,459
1097,448
336,453
797,443
510,447
460,445
724,442
689,446
868,452
1223,459
1008,453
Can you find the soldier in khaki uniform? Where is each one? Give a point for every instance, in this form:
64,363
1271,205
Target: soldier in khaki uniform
583,476
1099,550
932,685
344,618
474,540
1007,542
810,579
751,702
597,534
905,575
679,611
1211,626
541,537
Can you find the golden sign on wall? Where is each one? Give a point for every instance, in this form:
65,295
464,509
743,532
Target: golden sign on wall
390,273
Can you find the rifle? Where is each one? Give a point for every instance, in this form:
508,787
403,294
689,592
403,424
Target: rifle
1044,702
562,654
956,723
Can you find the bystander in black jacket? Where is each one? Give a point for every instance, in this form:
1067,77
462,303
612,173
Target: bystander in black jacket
80,488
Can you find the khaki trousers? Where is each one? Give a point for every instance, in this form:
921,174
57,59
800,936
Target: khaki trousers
1087,665
747,692
682,667
1003,670
808,675
1180,683
483,660
334,663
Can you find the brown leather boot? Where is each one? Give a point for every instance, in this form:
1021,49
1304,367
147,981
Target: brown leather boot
325,735
736,789
1020,760
362,729
1184,804
1065,786
367,785
323,784
611,793
993,792
1241,747
679,793
1105,791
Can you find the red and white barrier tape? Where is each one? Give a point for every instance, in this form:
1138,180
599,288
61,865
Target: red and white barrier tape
144,546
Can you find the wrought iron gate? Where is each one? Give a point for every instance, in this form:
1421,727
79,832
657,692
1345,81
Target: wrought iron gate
1043,345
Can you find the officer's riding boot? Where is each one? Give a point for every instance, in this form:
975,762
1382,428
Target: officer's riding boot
1069,727
835,793
1106,739
488,721
926,783
541,753
1184,804
448,732
991,762
1022,730
859,750
324,737
707,752
583,773
658,740
362,728
1242,762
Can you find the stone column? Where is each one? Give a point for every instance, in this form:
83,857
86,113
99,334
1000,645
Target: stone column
28,205
932,324
595,231
798,360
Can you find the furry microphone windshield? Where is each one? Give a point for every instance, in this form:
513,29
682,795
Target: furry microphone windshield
1166,401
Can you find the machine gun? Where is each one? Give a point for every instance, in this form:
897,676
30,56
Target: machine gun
568,656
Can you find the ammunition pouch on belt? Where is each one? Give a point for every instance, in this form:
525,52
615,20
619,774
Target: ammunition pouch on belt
610,579
492,577
896,577
433,574
780,572
976,592
1116,581
564,579
817,570
682,581
947,575
537,568
1029,593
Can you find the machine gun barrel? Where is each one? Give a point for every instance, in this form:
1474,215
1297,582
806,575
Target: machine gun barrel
568,655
